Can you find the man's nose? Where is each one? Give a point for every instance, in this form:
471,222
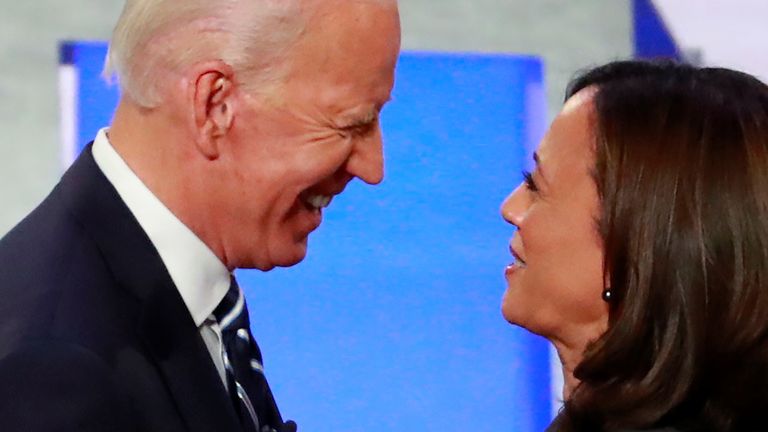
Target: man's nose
367,160
514,206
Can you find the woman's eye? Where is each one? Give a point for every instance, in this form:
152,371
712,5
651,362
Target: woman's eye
530,184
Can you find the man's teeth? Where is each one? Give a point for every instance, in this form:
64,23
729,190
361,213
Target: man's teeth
319,201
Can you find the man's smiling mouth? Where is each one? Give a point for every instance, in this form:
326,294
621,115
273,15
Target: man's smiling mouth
316,202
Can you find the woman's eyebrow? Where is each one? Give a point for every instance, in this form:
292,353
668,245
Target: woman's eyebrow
538,169
537,162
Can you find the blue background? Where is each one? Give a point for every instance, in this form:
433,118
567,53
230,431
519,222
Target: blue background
652,38
392,322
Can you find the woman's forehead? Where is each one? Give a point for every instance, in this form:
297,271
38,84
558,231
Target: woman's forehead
583,97
569,139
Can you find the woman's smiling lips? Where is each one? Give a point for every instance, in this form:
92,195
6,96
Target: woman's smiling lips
517,265
519,261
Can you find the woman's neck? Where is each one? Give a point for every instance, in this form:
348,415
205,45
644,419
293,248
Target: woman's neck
570,350
570,357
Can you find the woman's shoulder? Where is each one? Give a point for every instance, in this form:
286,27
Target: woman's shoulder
666,429
556,426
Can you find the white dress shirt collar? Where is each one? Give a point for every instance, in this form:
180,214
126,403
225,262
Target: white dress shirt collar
199,275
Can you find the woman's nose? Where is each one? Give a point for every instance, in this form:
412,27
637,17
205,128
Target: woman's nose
514,206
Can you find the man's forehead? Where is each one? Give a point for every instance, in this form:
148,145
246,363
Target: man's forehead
345,66
355,98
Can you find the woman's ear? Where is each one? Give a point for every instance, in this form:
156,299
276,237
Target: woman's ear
213,95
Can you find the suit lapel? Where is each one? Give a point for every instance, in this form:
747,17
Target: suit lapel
170,334
186,364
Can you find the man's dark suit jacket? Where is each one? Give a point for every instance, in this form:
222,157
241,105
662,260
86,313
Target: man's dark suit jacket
94,335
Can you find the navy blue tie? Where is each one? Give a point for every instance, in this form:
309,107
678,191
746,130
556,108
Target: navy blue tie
243,363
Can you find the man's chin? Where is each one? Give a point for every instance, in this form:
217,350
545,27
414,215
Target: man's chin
288,258
279,252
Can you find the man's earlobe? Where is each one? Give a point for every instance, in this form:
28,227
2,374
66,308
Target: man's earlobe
213,110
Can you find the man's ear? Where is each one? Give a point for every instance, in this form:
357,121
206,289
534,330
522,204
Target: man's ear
213,101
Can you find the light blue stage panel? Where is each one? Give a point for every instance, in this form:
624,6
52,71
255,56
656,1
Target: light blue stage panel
393,321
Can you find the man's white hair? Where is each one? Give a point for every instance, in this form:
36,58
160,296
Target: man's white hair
156,38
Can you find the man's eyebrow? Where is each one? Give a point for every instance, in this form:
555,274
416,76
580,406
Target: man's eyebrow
361,119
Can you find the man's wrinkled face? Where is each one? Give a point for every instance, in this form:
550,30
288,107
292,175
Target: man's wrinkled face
293,151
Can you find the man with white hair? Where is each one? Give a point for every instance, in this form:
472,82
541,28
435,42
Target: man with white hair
238,123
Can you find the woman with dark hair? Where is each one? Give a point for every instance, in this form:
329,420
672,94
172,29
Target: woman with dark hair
642,249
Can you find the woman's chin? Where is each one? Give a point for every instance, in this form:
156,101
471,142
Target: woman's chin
510,308
522,314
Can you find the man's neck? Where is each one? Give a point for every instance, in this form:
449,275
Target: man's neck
157,154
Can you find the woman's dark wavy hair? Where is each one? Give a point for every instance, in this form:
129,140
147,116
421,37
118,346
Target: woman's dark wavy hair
682,174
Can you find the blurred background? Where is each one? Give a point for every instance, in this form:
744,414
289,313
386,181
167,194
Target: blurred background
567,35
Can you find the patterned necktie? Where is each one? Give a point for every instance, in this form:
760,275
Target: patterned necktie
243,363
